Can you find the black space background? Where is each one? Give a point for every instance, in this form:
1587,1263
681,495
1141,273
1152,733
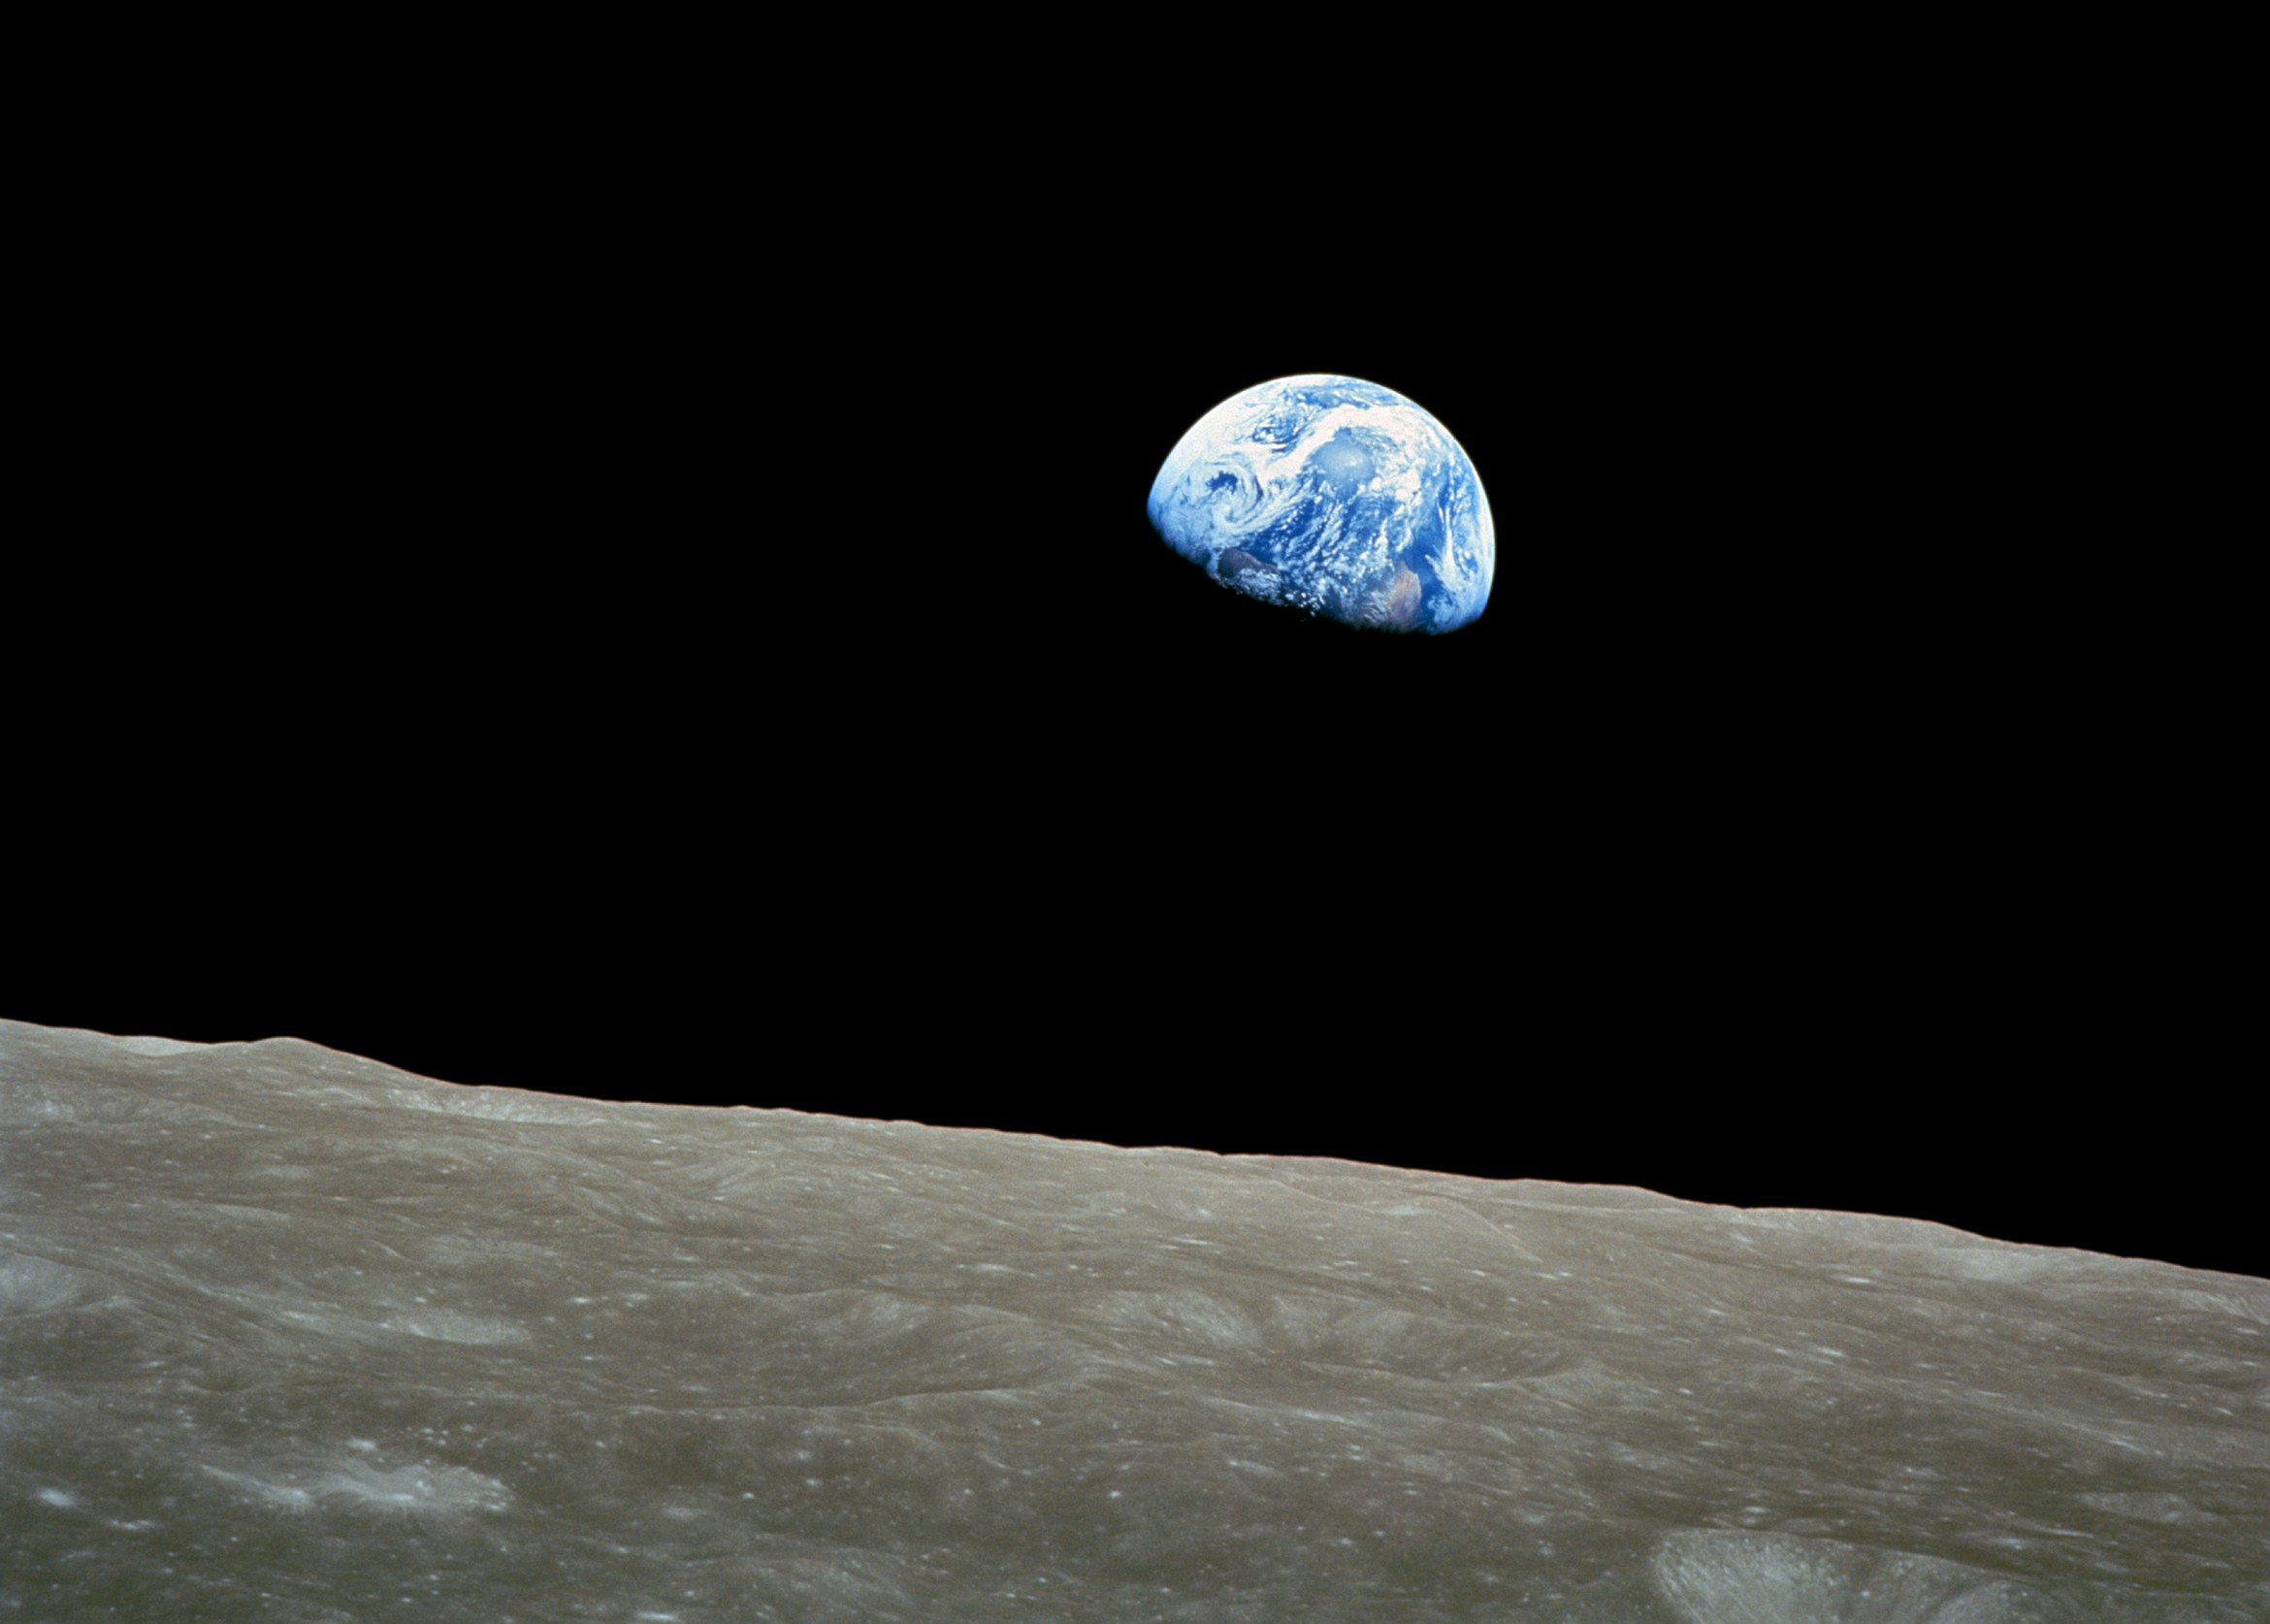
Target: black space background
592,640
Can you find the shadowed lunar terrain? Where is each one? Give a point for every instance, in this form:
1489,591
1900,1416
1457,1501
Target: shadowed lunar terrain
289,1335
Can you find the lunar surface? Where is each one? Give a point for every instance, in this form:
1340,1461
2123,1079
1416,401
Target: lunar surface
288,1335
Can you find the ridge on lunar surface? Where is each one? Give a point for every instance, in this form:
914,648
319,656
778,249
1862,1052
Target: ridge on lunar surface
286,1334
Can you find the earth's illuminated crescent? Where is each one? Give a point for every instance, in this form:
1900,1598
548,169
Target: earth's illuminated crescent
1335,496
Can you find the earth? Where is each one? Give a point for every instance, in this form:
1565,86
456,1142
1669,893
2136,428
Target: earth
1333,496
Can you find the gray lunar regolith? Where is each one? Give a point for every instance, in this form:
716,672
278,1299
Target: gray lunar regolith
285,1334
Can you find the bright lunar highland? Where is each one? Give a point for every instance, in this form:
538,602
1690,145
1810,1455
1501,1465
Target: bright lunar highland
1334,496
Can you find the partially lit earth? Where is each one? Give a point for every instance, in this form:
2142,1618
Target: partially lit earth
1333,496
285,1334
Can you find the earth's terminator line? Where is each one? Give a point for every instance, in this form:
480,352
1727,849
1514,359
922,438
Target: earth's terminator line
1335,496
